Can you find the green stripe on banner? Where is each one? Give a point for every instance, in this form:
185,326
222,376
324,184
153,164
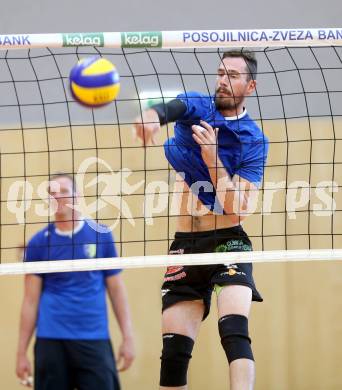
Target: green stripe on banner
83,39
141,39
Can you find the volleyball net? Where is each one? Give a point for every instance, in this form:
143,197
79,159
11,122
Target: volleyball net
130,188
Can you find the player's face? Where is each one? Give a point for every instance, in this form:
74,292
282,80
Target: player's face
232,84
61,189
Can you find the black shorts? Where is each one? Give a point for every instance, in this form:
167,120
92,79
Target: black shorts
74,364
194,282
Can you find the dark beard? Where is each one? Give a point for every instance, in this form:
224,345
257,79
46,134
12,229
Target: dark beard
224,103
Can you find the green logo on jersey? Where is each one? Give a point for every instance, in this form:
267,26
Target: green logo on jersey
83,39
141,39
90,250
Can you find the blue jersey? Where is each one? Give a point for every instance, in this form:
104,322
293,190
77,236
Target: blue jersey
73,304
242,147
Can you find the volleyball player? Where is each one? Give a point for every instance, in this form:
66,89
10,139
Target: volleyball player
219,154
68,310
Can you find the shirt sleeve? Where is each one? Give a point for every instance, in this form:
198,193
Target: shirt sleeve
110,251
197,105
253,161
32,251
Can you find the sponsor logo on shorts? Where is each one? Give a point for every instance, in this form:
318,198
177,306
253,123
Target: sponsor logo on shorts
173,269
234,246
232,270
175,273
164,291
173,278
83,39
176,252
141,39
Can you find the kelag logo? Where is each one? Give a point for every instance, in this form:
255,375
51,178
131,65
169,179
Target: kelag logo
141,39
83,39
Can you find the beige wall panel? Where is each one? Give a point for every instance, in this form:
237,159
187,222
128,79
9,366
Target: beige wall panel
296,332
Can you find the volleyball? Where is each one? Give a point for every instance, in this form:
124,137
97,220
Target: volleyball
94,81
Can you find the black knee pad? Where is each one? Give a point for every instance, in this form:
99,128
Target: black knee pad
175,359
233,330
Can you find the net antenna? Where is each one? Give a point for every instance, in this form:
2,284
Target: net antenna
131,189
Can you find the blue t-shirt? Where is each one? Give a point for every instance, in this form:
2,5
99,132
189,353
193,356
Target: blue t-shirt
73,304
242,147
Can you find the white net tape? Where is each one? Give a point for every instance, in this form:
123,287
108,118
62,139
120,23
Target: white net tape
168,260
